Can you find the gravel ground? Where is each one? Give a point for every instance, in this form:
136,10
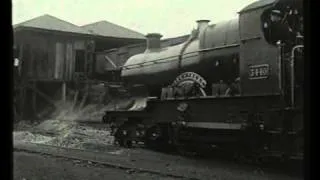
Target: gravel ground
36,167
24,125
66,134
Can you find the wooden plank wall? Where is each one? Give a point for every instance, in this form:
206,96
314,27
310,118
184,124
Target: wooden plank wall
69,60
100,63
49,57
65,58
59,60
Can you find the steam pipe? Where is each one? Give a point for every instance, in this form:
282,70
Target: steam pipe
280,66
192,36
292,64
202,25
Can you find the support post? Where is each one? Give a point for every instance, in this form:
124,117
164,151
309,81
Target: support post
75,98
64,91
20,59
44,96
22,98
280,68
83,101
34,99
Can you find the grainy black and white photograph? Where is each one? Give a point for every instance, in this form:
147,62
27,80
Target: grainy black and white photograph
158,89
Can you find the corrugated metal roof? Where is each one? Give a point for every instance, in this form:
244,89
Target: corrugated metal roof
49,22
105,28
257,4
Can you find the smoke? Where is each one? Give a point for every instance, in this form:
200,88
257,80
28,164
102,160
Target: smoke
92,106
79,105
69,112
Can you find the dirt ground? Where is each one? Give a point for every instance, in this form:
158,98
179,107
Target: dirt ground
70,134
37,167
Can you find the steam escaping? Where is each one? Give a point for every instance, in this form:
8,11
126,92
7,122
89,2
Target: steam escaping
67,111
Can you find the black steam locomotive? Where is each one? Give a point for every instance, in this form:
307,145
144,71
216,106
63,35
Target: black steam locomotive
237,84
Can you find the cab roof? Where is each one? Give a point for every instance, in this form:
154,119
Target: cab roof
258,4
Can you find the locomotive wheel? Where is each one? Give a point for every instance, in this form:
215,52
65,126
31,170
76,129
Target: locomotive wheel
238,157
185,150
120,136
126,134
127,143
105,119
182,148
155,133
121,142
152,134
157,138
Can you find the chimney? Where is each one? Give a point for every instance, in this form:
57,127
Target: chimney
153,41
202,24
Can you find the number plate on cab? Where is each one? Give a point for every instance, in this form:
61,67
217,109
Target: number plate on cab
259,71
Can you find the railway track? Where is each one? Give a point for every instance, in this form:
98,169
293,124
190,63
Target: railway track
210,153
217,158
75,154
273,163
185,169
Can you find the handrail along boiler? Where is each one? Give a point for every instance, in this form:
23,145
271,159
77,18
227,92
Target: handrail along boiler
236,84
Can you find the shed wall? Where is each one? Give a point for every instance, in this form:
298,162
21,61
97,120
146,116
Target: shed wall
48,56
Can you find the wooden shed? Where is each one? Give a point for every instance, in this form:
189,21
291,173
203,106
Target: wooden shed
51,49
54,55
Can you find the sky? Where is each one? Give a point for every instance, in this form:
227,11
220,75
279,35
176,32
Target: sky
170,18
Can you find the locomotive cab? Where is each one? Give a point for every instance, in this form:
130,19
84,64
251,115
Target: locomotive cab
283,28
269,35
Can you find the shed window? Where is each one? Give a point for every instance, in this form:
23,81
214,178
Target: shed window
80,61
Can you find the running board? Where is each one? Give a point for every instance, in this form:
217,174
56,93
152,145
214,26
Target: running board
214,125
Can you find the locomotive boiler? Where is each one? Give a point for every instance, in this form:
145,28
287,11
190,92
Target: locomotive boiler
207,48
236,84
